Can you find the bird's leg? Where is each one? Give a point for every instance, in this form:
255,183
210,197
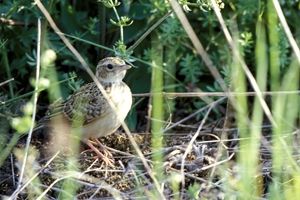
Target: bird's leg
102,156
104,149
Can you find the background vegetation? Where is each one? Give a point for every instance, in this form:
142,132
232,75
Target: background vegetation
205,101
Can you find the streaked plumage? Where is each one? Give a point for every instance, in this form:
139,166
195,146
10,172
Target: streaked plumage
88,110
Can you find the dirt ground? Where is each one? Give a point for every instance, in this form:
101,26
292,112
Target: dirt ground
204,164
127,173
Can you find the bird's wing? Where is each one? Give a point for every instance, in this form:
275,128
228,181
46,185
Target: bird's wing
86,105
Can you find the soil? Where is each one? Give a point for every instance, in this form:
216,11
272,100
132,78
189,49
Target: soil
128,176
121,176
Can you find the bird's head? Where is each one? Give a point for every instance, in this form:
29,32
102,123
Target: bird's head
111,69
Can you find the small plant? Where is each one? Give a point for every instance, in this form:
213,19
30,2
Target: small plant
121,22
204,5
193,191
190,68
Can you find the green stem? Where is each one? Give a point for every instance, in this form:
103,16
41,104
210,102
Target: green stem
277,102
171,59
8,71
239,82
257,116
102,17
274,46
5,152
121,27
157,104
30,93
121,34
154,26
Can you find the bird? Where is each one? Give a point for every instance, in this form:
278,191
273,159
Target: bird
89,112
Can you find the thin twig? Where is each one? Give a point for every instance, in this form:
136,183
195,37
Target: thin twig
221,146
7,81
194,114
190,145
217,163
154,26
215,94
10,22
83,179
5,63
197,44
18,191
35,98
100,87
51,185
287,29
12,169
237,55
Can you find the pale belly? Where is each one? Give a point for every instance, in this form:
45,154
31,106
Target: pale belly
111,121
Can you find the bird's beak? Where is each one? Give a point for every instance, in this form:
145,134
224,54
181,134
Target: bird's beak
125,67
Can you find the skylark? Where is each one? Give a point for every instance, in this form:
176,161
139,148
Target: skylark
88,111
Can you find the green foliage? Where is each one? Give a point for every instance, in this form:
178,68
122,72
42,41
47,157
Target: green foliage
75,19
158,6
120,50
124,21
74,83
110,3
204,5
193,191
21,124
190,68
284,48
246,39
172,33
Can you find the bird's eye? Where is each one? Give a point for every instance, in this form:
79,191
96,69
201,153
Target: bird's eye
109,66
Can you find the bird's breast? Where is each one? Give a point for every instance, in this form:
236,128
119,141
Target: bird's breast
121,96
